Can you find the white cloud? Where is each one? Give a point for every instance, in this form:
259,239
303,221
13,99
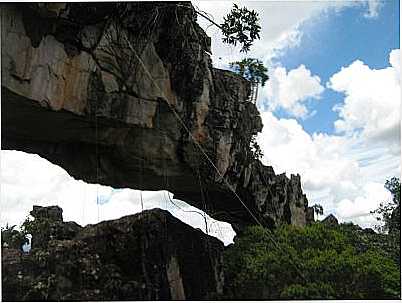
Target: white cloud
291,90
372,194
373,8
281,24
337,171
28,180
345,171
372,103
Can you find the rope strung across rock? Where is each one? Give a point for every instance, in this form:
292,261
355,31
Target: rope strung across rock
209,160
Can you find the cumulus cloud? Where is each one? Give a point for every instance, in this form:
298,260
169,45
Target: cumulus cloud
29,180
372,193
372,102
337,171
345,171
290,90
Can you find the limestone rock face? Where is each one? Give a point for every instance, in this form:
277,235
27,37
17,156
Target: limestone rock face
117,93
148,256
310,215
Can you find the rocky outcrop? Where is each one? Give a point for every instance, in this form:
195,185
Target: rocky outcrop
117,93
49,225
330,220
148,256
310,215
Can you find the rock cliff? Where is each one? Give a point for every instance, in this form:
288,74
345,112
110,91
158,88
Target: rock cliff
148,256
104,90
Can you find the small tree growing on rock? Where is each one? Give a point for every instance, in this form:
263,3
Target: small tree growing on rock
253,70
318,209
241,26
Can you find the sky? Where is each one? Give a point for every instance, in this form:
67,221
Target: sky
331,113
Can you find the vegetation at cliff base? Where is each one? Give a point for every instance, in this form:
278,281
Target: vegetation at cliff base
315,262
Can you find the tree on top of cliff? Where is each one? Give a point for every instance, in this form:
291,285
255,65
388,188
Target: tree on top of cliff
318,209
253,70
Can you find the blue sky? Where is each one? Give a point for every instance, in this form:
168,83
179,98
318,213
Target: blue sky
333,40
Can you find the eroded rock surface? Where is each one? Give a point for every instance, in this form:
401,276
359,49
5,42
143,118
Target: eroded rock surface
103,90
147,256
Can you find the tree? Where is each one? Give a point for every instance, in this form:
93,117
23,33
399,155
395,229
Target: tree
389,212
314,262
318,209
241,26
253,70
256,152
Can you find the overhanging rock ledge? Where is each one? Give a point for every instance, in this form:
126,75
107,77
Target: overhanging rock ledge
97,95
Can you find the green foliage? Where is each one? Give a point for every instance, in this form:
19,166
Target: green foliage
255,148
14,238
241,26
318,209
251,69
29,226
363,240
42,229
315,262
389,212
312,291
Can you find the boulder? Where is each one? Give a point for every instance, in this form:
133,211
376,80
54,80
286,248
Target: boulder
147,256
330,220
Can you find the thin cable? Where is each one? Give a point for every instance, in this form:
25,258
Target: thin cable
142,202
141,166
191,135
204,204
207,157
97,159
